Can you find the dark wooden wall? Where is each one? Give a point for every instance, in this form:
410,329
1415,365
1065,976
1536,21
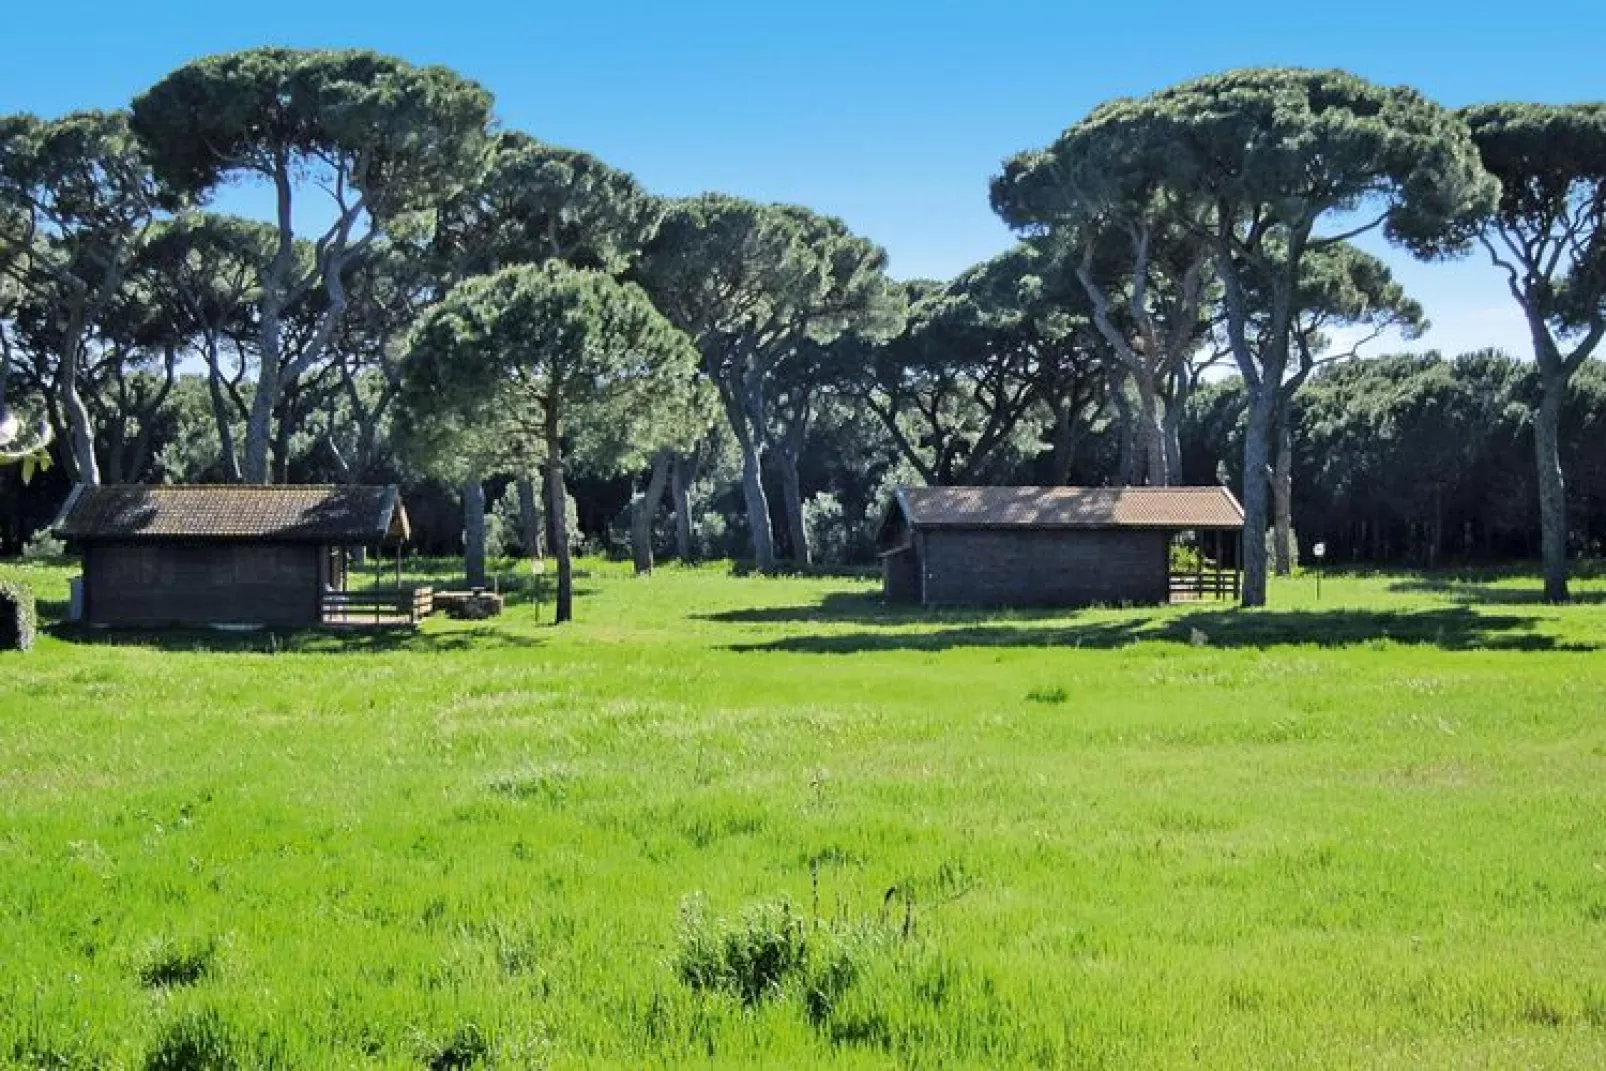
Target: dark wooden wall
1045,567
199,583
900,576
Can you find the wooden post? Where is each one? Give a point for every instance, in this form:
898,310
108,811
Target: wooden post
1198,570
1238,569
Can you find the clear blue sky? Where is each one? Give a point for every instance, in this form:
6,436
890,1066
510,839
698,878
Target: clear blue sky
892,116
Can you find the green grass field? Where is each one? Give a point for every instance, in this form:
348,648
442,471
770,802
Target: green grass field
767,821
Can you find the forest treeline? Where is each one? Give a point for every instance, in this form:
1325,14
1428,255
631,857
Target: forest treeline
542,351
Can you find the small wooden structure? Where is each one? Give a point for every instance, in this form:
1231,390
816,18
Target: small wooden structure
1057,546
235,555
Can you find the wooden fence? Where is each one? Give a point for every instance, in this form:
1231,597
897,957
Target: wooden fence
385,606
1208,584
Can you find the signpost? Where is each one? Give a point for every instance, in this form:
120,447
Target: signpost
1320,551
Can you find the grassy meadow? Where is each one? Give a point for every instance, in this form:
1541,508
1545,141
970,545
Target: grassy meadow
766,821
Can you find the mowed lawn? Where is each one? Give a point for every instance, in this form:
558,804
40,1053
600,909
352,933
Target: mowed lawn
1364,831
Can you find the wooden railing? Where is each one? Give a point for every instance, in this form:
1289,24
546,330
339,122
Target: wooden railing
1209,584
384,606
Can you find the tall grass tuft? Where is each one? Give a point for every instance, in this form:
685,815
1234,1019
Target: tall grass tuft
173,963
771,951
195,1041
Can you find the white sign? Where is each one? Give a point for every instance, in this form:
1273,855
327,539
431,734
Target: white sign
1320,550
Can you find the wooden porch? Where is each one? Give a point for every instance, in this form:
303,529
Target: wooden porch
377,608
1218,569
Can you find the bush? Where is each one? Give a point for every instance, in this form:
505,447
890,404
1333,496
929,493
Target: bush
1293,549
43,545
1185,558
830,534
504,529
18,618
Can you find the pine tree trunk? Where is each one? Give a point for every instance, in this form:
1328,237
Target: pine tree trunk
1126,428
1175,408
1552,487
259,421
557,508
228,453
1150,446
683,473
529,518
792,502
80,430
1282,494
646,510
1062,450
1257,450
758,508
473,493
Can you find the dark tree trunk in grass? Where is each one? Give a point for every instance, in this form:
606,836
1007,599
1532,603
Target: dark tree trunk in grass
556,499
646,510
1552,488
792,500
473,493
529,517
747,421
757,505
1282,494
683,474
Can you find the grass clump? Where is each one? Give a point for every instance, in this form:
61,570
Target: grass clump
175,963
195,1041
465,1047
771,951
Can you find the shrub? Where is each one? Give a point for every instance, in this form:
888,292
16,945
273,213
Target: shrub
18,617
43,545
1293,548
1185,557
830,534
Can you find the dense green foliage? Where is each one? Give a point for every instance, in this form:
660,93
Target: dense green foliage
1248,165
1354,831
1165,240
1548,234
555,355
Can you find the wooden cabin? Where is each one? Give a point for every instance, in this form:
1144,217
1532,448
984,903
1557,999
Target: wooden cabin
227,554
1057,546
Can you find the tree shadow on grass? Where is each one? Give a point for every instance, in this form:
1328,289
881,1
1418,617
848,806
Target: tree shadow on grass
871,608
365,640
1449,629
1483,587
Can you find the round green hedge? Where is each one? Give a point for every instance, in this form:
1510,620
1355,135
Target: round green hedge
18,618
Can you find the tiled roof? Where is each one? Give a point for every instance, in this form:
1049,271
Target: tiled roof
232,511
1071,507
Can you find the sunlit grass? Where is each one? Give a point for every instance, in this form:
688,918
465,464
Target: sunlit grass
770,821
